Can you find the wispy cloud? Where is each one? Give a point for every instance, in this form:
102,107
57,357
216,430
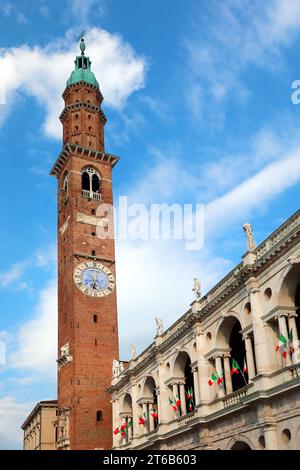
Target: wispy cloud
13,274
219,52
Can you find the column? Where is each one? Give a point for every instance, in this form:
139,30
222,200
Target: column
175,391
227,373
265,362
146,417
196,385
249,357
284,331
114,422
270,434
182,399
135,410
293,329
151,419
129,430
219,369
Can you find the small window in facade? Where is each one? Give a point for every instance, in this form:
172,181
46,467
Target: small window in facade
95,318
99,415
93,253
93,212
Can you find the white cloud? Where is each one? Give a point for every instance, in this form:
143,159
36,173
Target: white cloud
254,192
15,272
82,11
42,72
36,341
12,414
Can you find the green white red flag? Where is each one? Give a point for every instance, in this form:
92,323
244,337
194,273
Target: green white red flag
213,379
173,404
281,345
235,368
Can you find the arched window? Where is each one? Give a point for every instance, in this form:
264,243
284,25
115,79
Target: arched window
90,183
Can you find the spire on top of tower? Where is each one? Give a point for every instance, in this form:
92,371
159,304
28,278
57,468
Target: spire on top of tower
82,72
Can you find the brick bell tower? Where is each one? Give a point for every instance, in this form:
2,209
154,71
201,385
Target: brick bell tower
87,307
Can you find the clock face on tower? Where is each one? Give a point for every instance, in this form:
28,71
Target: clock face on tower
94,279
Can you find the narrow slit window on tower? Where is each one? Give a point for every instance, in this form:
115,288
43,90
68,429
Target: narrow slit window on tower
99,415
93,212
95,318
93,253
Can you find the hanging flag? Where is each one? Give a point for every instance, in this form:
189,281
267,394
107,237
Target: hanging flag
130,423
116,431
245,368
189,394
154,415
235,368
175,408
282,342
142,419
220,378
291,345
178,401
212,379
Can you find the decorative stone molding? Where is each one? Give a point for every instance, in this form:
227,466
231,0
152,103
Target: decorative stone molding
65,356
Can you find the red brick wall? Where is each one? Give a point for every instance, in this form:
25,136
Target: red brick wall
83,383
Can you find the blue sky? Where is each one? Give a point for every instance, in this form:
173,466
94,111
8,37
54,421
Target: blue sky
198,100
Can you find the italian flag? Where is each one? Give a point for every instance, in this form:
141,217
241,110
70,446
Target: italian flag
130,423
291,346
116,431
154,415
123,427
174,405
142,419
235,368
189,394
178,402
212,379
220,378
282,342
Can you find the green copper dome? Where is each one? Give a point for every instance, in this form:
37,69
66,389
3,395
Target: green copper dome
82,72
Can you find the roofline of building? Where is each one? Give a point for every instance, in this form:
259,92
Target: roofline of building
38,406
85,152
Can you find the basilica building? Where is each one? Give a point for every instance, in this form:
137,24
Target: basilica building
225,375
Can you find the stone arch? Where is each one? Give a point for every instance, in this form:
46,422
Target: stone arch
230,340
182,370
239,443
221,336
288,284
149,386
127,404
